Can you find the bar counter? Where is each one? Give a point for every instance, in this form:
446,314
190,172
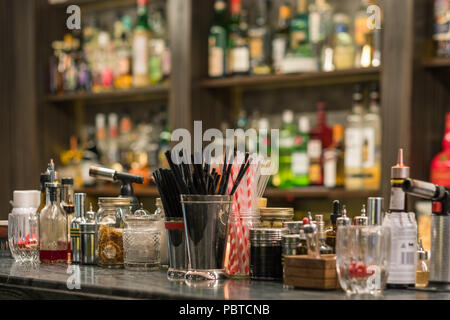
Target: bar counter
51,282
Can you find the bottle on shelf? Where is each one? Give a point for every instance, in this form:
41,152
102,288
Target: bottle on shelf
363,36
333,160
300,160
441,28
264,143
372,142
287,136
122,48
440,166
344,50
403,227
322,131
354,144
238,55
300,40
141,38
320,27
259,41
280,40
217,41
113,142
157,45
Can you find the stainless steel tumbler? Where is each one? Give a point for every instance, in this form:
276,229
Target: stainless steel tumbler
206,225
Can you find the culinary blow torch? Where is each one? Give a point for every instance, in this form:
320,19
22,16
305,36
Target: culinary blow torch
126,180
440,227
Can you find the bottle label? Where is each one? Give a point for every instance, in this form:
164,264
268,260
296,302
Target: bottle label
216,61
398,199
287,142
314,149
315,173
369,148
300,163
241,59
353,148
402,267
256,48
140,55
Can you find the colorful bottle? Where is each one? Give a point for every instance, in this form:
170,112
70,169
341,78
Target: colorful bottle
238,55
217,41
372,143
300,40
259,40
354,144
403,227
363,37
300,160
122,46
280,40
322,131
440,166
287,136
141,39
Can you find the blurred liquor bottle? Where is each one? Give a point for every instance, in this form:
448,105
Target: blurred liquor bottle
141,39
280,40
344,49
300,160
259,40
320,28
238,53
287,136
217,41
354,143
440,166
333,160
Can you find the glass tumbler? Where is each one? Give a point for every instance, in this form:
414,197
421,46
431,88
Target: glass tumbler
362,258
23,235
141,243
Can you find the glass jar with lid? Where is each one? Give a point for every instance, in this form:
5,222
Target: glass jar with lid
274,217
110,230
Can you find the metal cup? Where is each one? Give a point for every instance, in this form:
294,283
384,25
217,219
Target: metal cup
206,225
178,262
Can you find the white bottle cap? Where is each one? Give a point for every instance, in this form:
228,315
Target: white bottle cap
303,124
26,198
288,116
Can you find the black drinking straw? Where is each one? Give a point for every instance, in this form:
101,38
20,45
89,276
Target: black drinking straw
241,174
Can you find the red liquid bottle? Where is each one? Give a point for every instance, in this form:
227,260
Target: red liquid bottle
440,166
321,131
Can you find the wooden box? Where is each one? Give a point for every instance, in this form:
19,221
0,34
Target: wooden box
307,272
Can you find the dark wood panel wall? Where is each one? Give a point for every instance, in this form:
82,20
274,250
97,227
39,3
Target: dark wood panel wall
18,104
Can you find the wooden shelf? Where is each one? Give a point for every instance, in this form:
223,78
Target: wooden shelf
150,92
318,193
112,191
436,63
301,79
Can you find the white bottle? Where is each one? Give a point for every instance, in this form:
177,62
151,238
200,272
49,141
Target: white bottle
403,226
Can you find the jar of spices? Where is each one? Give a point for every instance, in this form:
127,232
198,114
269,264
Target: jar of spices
265,253
274,217
110,230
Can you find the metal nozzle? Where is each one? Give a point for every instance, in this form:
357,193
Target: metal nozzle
102,173
400,170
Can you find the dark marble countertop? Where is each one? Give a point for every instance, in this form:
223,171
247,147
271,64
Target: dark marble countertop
97,283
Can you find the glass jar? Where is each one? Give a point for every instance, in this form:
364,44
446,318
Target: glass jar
141,240
274,217
109,220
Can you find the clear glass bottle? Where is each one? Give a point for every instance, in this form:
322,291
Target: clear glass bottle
372,142
53,235
354,144
109,219
344,49
141,38
423,267
217,41
280,40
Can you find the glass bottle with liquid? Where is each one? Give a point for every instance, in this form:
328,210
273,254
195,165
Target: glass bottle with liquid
280,40
141,39
354,144
423,267
259,41
300,160
53,226
217,41
287,136
344,50
333,160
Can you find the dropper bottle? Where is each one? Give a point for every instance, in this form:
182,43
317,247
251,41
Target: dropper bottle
331,232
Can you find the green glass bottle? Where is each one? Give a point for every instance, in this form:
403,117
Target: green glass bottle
300,160
287,136
217,41
300,42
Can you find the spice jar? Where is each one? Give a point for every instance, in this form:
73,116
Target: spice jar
274,217
265,253
110,230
